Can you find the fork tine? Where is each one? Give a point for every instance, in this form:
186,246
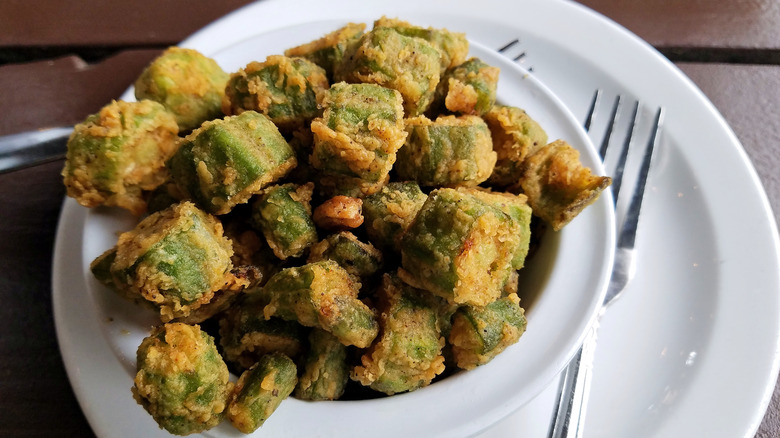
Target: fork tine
592,110
613,119
627,235
617,179
508,45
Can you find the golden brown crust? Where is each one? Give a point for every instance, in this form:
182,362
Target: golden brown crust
339,213
558,186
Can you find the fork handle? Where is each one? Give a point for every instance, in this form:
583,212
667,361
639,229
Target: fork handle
31,148
574,390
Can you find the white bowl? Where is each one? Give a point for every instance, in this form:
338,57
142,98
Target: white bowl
562,288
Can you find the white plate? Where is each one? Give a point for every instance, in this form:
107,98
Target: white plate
691,350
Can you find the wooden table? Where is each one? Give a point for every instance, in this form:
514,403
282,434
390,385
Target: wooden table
60,61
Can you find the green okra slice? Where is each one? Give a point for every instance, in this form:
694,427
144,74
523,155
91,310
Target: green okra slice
385,57
246,335
359,259
407,353
479,334
321,294
558,186
181,379
176,259
357,137
389,212
325,372
460,248
469,88
190,84
517,208
260,390
284,89
328,51
452,46
283,214
224,162
515,135
118,153
450,151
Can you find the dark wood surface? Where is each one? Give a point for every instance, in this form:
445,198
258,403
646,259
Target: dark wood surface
60,61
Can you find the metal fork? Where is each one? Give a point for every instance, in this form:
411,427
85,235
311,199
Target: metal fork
569,415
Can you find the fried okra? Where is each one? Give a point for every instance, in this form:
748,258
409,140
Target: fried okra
558,186
460,248
176,259
181,379
453,47
479,334
357,137
284,89
188,83
450,151
246,335
118,153
321,294
283,214
224,162
385,57
515,135
260,390
328,51
516,207
325,371
407,353
361,260
389,212
469,88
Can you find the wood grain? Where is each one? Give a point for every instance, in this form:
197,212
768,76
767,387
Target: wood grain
744,24
106,23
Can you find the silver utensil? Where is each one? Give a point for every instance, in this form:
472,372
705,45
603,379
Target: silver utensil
31,148
574,390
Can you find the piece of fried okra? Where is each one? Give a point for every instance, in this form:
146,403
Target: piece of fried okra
181,379
460,248
118,153
389,212
407,353
224,162
285,89
283,214
362,260
469,88
328,51
188,83
517,208
452,46
246,335
558,186
479,334
387,58
260,390
325,371
357,137
176,259
324,295
515,135
450,151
